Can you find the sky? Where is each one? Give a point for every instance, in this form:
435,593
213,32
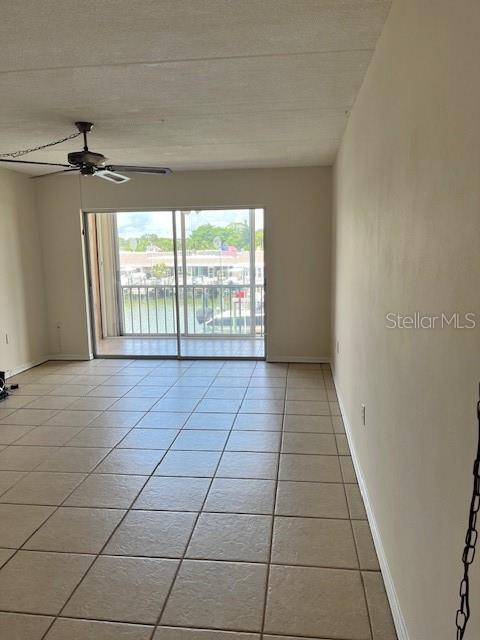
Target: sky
132,224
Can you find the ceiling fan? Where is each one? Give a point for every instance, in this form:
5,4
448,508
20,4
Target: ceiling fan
89,163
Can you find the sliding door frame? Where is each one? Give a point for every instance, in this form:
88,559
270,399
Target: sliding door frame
177,287
181,211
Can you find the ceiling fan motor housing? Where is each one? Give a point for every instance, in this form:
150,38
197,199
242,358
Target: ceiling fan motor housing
87,162
87,170
80,158
84,127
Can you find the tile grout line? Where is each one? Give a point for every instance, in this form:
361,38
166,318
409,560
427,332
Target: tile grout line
101,412
199,512
57,507
240,513
269,563
139,382
213,477
127,511
134,426
173,626
200,559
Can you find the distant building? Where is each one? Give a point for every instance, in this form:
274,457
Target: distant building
203,267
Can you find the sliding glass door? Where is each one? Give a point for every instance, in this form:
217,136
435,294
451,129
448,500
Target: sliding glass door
184,283
222,296
136,282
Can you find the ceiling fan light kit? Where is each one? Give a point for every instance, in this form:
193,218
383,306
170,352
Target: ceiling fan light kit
112,176
90,163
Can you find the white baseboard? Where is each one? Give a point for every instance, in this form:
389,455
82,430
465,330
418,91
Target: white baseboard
398,619
70,356
299,359
23,367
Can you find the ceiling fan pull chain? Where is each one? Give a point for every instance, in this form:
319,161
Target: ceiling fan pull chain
463,613
18,154
88,163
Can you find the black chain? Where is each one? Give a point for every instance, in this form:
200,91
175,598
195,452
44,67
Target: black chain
463,613
17,154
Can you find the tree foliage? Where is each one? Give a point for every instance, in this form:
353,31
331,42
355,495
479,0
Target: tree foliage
205,237
144,242
259,239
161,270
209,236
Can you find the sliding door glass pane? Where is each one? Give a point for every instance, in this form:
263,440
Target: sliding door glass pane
222,282
145,281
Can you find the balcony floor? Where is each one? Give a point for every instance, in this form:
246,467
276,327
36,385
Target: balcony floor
190,347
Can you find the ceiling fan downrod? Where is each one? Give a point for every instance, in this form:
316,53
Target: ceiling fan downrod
84,128
86,162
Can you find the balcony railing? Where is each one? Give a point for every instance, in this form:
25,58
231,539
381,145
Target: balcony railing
214,310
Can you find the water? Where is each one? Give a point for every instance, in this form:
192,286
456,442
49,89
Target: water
156,314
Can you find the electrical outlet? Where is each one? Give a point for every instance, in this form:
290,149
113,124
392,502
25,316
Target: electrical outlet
364,422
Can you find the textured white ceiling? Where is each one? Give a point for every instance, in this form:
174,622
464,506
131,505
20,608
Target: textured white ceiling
186,83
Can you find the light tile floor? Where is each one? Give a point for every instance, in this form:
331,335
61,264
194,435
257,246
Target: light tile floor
166,500
191,347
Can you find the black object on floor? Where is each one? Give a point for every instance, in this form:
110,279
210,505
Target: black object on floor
3,387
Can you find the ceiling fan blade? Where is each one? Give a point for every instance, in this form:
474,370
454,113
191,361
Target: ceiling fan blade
54,173
139,169
111,176
50,164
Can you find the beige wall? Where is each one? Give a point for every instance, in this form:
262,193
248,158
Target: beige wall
22,304
407,238
298,237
